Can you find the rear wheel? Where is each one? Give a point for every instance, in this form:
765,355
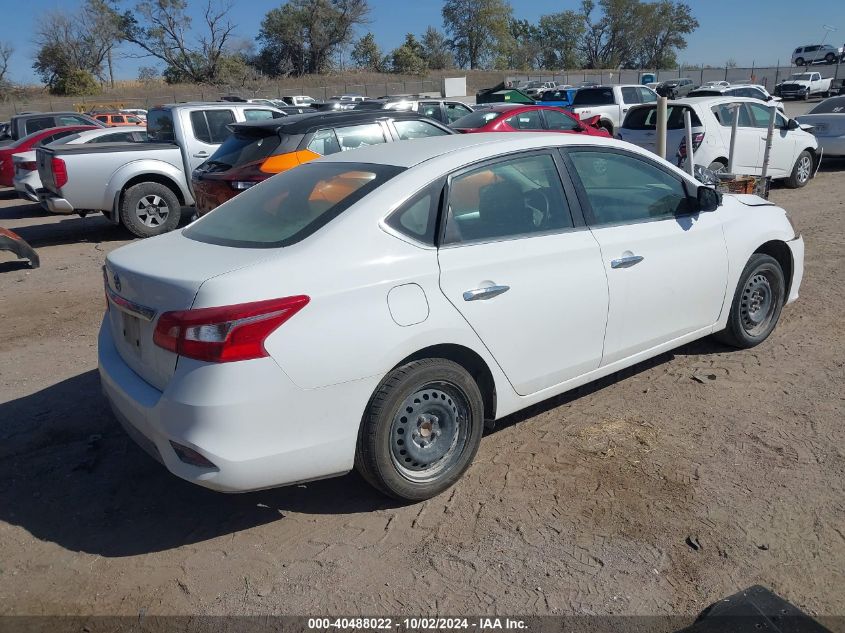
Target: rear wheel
799,61
605,125
802,171
830,58
421,429
757,303
149,209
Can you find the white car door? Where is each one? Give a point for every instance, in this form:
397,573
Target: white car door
526,276
783,153
666,267
747,153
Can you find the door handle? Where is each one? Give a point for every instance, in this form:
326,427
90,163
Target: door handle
482,294
626,262
201,155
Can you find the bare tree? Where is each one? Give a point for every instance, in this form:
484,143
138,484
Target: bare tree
6,51
162,29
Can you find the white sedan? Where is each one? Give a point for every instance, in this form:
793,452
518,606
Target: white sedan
376,308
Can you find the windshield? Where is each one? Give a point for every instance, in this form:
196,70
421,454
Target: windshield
476,119
241,148
593,97
705,93
290,206
834,105
801,76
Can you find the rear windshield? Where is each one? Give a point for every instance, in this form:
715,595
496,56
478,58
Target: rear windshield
242,148
290,206
646,118
705,93
160,126
834,105
476,119
593,97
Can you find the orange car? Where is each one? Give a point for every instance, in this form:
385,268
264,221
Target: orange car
116,120
258,149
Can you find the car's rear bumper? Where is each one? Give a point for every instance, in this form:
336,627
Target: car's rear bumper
54,204
796,247
248,419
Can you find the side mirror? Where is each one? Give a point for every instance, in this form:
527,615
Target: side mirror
793,124
708,199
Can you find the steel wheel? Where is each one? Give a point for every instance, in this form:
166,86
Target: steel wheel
804,169
152,211
759,302
429,431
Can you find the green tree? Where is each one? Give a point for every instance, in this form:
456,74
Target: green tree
477,29
435,50
561,35
76,83
408,58
663,27
367,55
302,36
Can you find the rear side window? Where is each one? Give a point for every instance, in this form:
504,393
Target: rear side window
240,149
355,136
210,125
417,129
646,118
54,137
261,115
160,126
630,95
417,218
529,120
118,119
41,123
724,114
455,111
556,120
290,206
324,143
593,97
70,119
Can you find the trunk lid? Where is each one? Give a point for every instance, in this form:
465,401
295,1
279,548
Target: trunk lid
44,160
158,275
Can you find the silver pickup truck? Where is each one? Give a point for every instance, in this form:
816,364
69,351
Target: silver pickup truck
141,185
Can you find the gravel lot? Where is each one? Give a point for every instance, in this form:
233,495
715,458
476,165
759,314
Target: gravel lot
586,504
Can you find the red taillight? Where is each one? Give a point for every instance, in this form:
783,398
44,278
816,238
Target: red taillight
697,139
227,333
28,165
59,172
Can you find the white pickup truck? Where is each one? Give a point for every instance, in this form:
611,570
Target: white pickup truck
803,86
610,103
141,185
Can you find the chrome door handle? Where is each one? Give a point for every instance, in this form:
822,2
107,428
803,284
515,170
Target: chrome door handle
482,294
201,155
626,262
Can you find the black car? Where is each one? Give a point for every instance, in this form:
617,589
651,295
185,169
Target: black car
255,150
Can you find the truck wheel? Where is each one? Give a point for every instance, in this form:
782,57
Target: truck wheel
149,208
799,61
802,171
830,58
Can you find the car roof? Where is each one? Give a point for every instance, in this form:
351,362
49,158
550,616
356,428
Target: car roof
301,123
425,149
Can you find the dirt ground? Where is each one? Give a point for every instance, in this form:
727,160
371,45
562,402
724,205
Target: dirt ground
658,491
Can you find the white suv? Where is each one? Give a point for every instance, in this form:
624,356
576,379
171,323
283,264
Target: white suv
805,55
794,152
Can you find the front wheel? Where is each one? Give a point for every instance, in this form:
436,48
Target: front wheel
757,303
830,58
802,171
799,61
421,429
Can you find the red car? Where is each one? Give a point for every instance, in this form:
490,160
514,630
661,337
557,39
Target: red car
36,139
513,117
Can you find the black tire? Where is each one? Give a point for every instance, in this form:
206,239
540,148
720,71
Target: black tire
761,288
416,405
606,126
830,58
799,61
802,171
163,209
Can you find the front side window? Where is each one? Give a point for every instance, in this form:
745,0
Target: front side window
118,119
516,197
647,96
623,189
759,115
35,125
724,113
355,136
290,206
529,120
324,143
417,129
431,110
557,120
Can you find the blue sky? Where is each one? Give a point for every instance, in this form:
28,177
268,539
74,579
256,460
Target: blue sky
759,31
